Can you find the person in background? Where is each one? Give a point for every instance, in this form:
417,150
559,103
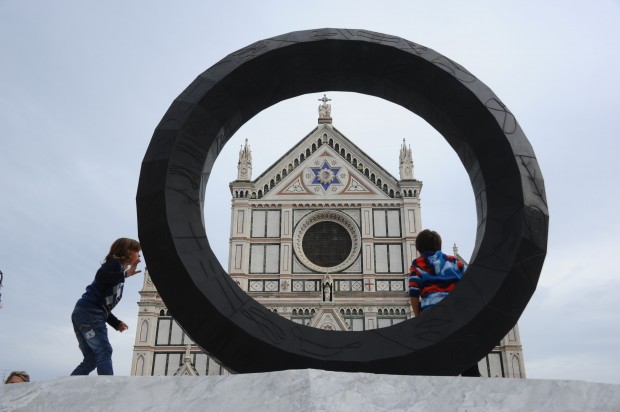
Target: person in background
433,276
94,309
18,377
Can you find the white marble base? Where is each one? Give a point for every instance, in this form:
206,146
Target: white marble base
307,390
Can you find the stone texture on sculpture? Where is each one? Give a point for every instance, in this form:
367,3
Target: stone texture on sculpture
511,207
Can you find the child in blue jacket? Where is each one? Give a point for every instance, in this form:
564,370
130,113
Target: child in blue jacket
94,309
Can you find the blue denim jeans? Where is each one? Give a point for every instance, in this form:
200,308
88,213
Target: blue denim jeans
92,334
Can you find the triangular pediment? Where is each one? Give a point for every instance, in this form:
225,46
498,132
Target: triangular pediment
328,318
187,367
186,370
328,165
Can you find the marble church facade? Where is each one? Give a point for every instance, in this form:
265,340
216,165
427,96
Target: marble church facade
323,237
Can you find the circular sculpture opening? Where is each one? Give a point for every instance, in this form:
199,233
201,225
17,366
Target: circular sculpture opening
511,206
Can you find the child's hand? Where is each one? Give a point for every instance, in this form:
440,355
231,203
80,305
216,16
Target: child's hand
134,259
122,327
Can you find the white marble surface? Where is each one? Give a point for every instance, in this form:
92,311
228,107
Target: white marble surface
308,390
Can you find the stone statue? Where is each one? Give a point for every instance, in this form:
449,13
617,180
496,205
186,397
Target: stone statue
325,110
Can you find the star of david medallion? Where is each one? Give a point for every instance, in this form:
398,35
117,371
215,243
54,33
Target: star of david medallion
325,175
328,178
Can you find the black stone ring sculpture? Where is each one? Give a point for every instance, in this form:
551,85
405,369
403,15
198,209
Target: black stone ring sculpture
231,326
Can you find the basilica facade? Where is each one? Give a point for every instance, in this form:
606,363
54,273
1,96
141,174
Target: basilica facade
324,237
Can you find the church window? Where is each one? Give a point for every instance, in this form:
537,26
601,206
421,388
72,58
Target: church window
265,258
313,147
355,162
200,363
296,162
278,178
327,244
260,194
301,316
170,333
163,331
342,152
348,157
492,366
386,223
176,334
337,147
331,142
388,258
353,318
265,223
389,317
160,364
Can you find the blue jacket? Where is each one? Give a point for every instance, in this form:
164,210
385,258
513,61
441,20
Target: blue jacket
433,276
106,290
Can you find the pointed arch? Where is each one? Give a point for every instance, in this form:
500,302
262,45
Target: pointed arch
144,330
139,370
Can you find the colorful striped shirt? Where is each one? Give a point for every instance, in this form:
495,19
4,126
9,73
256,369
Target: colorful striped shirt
433,276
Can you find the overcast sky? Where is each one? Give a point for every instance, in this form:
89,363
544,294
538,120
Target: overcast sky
84,83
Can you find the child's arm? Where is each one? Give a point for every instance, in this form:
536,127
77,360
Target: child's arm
415,304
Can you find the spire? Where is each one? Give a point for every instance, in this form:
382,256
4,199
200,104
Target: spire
244,167
455,250
325,110
406,162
